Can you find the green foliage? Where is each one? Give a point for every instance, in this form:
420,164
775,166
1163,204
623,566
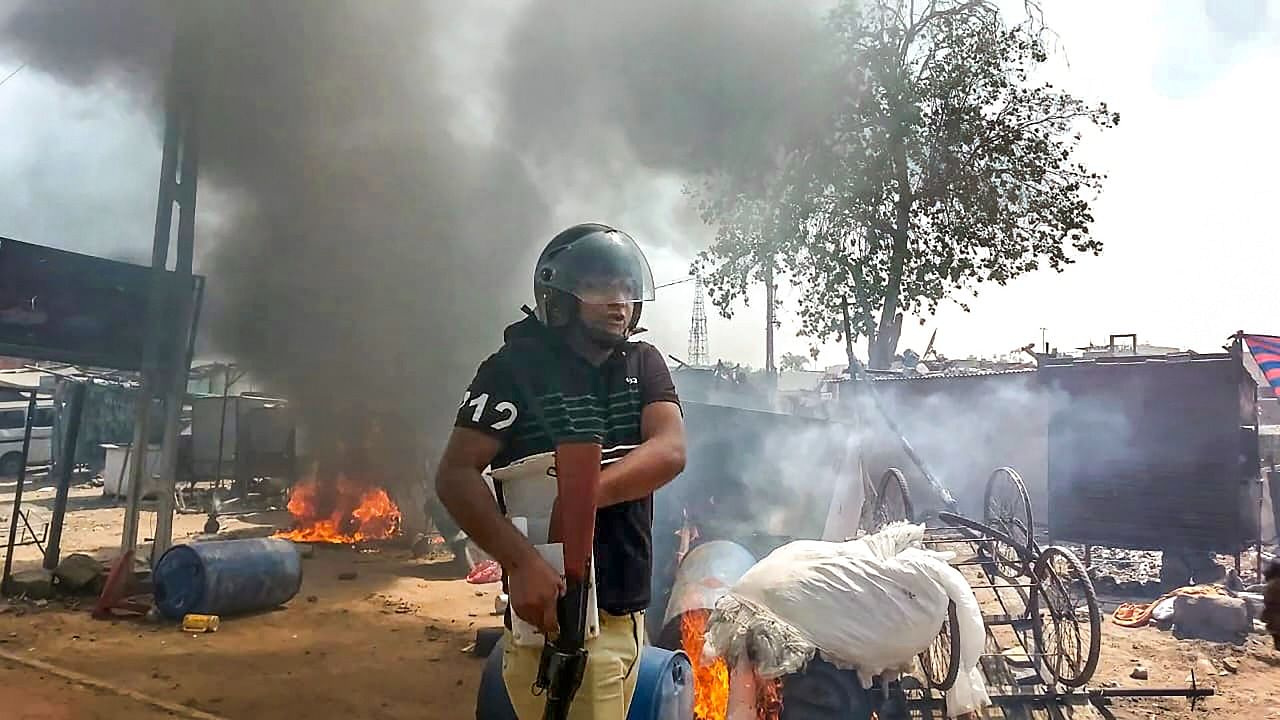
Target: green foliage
939,166
792,361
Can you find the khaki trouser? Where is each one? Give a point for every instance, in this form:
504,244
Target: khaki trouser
613,664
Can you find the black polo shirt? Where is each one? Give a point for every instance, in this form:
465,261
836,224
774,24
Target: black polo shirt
578,400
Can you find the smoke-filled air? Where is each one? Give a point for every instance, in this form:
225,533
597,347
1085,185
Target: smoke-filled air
377,177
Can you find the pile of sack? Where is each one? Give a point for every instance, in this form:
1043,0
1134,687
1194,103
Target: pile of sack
870,605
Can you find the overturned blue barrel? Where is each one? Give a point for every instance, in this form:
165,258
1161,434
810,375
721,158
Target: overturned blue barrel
664,688
226,577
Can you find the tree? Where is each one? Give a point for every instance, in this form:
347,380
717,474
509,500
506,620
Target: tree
749,212
792,362
939,167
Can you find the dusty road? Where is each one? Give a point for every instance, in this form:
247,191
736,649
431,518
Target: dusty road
389,645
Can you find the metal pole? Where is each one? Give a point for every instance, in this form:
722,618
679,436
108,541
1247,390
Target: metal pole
17,492
192,71
155,301
66,469
769,301
857,374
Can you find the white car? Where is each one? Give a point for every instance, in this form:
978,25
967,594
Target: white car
13,423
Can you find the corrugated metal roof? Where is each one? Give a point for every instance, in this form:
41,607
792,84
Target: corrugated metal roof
1134,359
953,375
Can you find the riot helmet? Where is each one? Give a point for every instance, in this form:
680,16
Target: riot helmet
594,264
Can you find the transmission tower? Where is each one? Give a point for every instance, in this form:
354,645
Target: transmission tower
698,355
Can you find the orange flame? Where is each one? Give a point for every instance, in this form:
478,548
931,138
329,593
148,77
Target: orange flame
710,679
359,513
768,699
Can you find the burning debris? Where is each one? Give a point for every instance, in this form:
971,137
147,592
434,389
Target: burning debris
710,675
342,510
719,694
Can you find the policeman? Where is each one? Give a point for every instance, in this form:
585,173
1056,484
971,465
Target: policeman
574,358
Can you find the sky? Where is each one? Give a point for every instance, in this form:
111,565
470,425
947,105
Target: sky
1184,215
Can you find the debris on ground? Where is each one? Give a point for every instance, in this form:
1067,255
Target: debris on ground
79,573
1214,618
485,572
1139,672
35,584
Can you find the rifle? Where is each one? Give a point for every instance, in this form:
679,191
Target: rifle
573,523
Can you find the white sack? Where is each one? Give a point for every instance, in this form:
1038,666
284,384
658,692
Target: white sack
870,604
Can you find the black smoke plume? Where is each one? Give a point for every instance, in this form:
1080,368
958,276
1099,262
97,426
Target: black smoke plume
379,186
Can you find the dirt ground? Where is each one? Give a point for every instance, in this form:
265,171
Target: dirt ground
391,644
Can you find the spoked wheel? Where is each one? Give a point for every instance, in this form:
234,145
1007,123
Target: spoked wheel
1068,626
893,500
1007,508
940,662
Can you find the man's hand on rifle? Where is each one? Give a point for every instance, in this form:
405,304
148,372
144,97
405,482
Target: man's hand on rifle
535,587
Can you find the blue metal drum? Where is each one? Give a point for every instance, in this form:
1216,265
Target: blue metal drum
664,689
226,577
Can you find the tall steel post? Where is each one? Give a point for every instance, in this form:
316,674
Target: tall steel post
166,359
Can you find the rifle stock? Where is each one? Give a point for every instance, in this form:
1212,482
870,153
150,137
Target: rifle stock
573,524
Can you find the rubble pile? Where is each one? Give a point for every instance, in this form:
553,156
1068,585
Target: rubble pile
1126,573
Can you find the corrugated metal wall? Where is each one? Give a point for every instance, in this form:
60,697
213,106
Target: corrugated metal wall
964,427
1152,453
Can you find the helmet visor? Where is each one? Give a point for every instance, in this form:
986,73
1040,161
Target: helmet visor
599,269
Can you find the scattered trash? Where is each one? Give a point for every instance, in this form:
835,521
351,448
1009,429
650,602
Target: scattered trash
36,584
197,623
485,572
1139,673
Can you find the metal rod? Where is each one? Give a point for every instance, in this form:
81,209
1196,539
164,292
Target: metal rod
190,67
1190,692
994,586
155,298
1074,698
222,425
66,470
17,493
858,375
36,539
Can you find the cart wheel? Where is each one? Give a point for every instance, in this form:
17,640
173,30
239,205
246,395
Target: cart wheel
940,662
893,500
1064,599
1007,508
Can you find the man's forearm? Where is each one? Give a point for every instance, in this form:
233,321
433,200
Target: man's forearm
464,493
641,472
